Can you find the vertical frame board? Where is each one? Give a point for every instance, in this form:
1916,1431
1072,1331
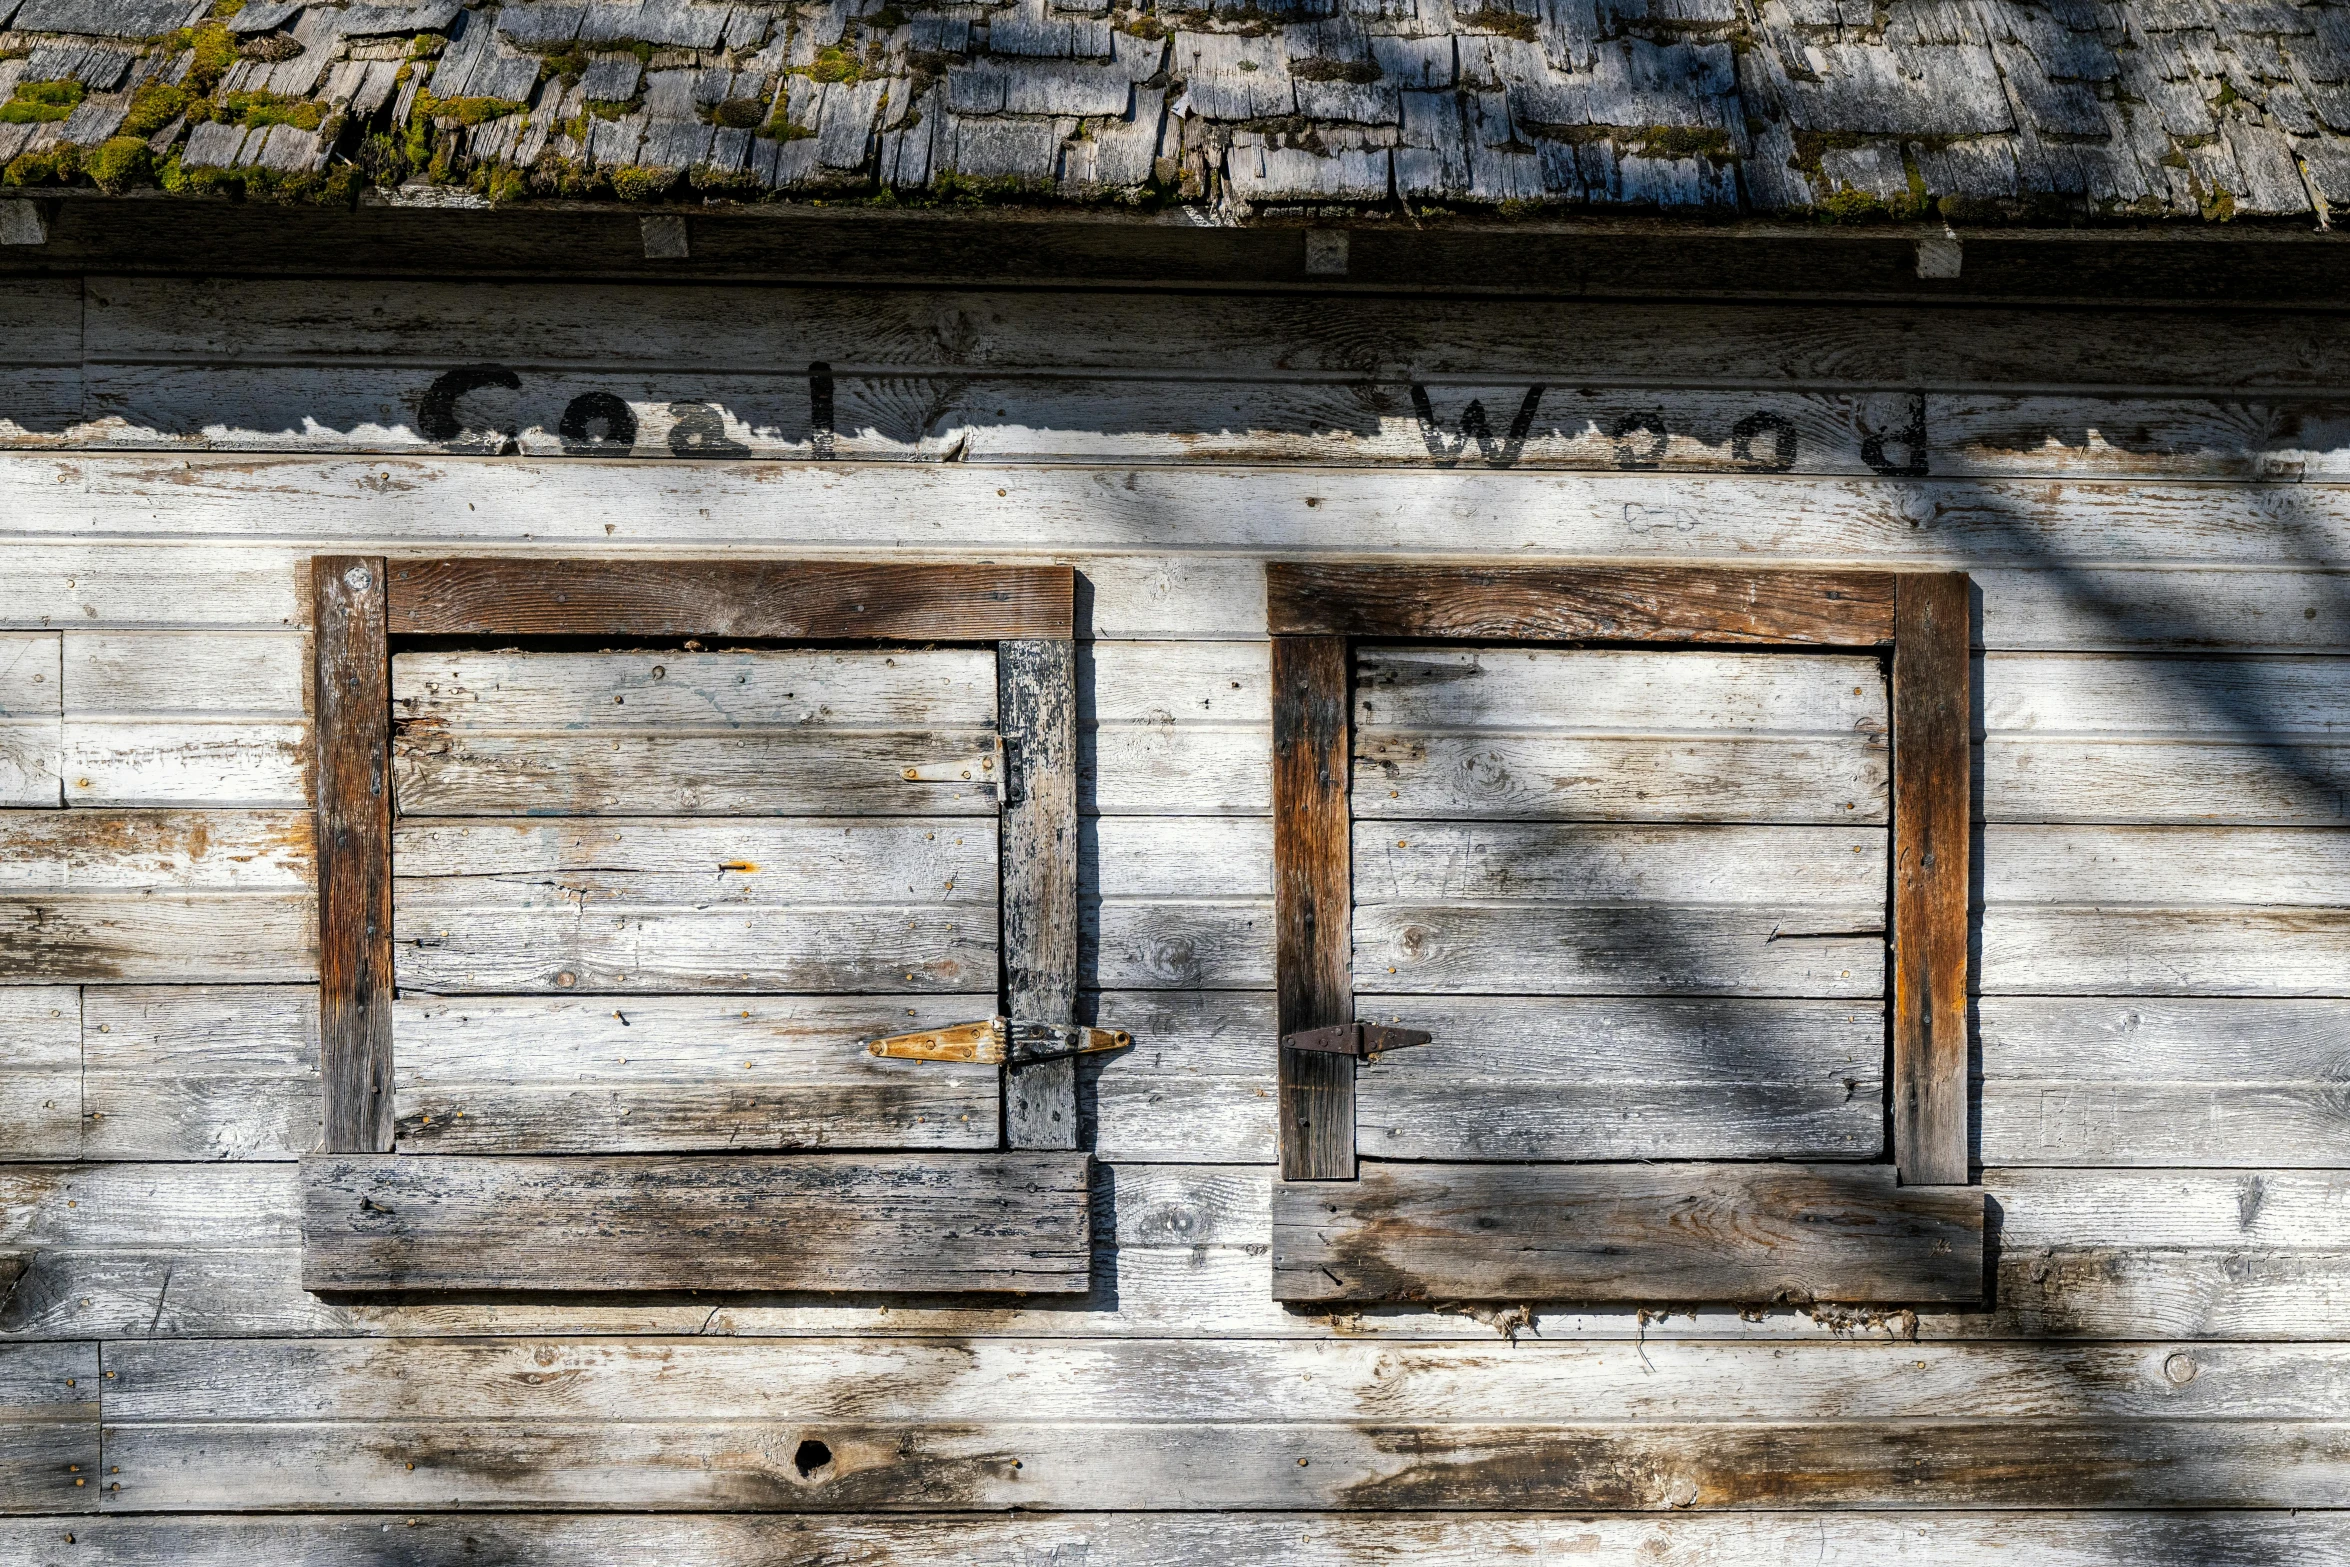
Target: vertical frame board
1597,1231
1313,896
1932,772
1036,713
352,707
378,1221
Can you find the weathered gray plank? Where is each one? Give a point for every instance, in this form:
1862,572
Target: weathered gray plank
987,1380
752,773
1616,1232
872,948
41,1087
2084,950
2036,779
200,1072
664,1074
1036,683
210,718
1595,691
951,1466
49,1447
1650,949
1522,1077
1526,862
1498,776
1683,518
734,863
986,1222
31,726
1333,1539
176,1251
778,688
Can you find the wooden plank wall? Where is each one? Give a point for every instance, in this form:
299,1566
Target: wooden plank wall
2152,507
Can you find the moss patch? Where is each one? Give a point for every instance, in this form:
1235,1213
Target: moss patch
739,113
257,109
37,102
120,164
466,111
1510,24
153,107
642,182
1357,71
833,65
1683,141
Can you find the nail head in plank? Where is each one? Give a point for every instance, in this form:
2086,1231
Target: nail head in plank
783,600
1036,705
1313,893
1931,768
1596,603
1714,1232
353,708
1017,1223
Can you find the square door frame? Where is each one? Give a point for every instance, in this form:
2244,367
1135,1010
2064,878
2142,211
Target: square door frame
1316,613
364,605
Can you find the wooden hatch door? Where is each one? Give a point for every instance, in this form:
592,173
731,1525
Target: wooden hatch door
1622,936
695,925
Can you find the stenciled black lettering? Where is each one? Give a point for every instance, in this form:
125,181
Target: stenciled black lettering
1651,424
436,413
1448,449
1784,442
699,430
597,424
1911,438
820,411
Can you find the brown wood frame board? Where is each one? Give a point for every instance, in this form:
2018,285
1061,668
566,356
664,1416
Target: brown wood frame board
984,1222
361,603
1315,611
1627,1232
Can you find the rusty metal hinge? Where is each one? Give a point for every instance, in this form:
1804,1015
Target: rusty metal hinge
998,1040
986,767
1356,1039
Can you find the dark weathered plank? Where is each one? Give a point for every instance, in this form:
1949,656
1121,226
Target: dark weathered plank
802,600
1646,1232
1313,896
974,1222
1573,603
1036,707
352,701
1931,766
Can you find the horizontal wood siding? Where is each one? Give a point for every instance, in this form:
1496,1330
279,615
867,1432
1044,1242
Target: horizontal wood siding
2152,508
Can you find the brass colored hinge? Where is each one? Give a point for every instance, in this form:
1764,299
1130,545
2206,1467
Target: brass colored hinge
997,1040
1356,1039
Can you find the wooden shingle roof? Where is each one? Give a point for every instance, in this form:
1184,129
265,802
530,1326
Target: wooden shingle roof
1972,110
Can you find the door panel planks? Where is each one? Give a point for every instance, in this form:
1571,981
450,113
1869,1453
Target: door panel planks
1628,1232
1313,888
1036,707
830,1222
352,701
